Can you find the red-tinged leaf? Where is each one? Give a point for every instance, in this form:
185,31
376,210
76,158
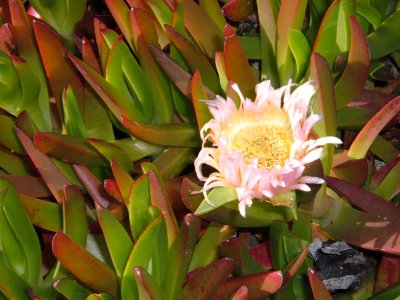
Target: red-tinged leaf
93,186
260,285
173,160
291,16
365,230
53,55
205,281
318,288
388,273
203,29
194,58
213,10
159,200
180,255
43,214
148,288
238,10
7,44
241,293
244,262
389,187
162,37
261,255
106,91
54,178
293,266
86,268
237,66
380,174
160,91
357,67
366,136
220,65
123,179
68,148
28,185
102,46
324,105
112,189
27,49
175,135
353,170
120,12
74,215
89,56
203,114
363,199
142,24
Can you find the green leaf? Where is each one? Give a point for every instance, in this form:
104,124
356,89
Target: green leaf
216,198
180,255
173,160
11,285
118,241
12,163
301,52
148,288
385,39
72,118
206,250
24,232
8,138
389,187
71,289
140,256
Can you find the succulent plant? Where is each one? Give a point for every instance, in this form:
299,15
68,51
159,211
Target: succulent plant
102,109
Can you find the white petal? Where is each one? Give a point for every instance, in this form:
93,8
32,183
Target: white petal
311,180
301,186
323,141
311,156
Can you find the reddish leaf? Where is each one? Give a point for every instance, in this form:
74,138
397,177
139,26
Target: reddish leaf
203,114
112,189
53,55
318,288
204,282
203,29
68,148
237,66
28,185
7,43
357,67
354,171
194,58
242,293
261,254
93,186
238,10
362,198
86,268
159,200
89,56
148,288
123,180
260,285
293,266
388,272
379,175
54,178
120,12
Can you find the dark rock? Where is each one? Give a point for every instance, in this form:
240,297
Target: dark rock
340,266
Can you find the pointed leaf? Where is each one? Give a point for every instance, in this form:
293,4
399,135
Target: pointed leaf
260,285
147,286
54,178
8,138
238,10
236,64
356,70
68,148
318,288
178,135
203,283
203,114
173,160
11,285
366,136
71,289
86,268
122,178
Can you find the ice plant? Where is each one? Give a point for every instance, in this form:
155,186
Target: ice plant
261,148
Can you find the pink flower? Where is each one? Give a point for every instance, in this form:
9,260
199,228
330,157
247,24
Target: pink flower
261,148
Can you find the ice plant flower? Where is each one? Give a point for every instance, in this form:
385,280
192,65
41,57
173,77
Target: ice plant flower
260,148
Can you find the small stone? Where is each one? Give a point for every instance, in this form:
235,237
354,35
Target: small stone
340,266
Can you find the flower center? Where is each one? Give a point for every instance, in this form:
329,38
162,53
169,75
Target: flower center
270,145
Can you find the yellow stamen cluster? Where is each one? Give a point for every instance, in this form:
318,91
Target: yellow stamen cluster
269,144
